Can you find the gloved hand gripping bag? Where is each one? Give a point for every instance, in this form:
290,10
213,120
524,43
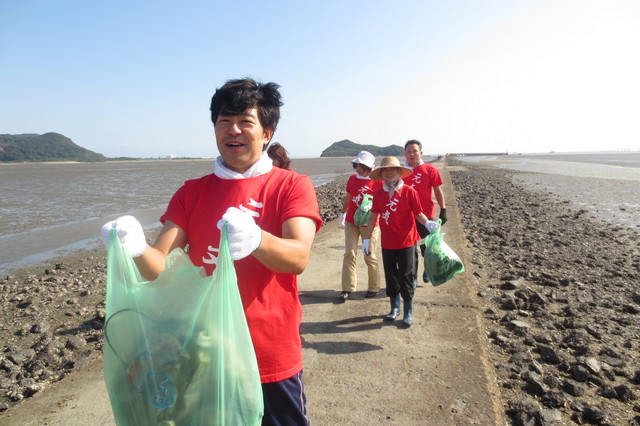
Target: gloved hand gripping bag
441,263
178,350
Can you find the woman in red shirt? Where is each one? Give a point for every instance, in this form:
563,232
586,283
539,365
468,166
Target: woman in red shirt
359,185
398,207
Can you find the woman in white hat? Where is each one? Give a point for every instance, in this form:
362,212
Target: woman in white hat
359,185
398,207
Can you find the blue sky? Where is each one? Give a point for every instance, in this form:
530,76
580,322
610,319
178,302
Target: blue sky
136,78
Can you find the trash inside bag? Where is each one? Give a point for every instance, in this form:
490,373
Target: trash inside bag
362,214
441,263
178,350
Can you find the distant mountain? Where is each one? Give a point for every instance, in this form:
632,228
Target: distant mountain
346,148
47,147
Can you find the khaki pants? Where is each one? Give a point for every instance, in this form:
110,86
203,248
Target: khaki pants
352,235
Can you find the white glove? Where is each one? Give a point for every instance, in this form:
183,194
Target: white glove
243,234
365,246
431,225
129,232
343,217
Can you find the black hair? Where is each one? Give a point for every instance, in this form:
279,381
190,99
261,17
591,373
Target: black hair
413,142
366,167
235,96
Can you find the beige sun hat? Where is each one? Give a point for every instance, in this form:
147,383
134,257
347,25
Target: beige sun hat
387,162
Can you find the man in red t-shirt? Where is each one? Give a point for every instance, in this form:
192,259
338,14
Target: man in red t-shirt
425,179
397,206
272,216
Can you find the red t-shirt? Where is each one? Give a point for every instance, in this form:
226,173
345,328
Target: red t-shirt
397,217
357,188
270,300
424,178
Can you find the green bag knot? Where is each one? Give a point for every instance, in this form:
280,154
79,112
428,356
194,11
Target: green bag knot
363,213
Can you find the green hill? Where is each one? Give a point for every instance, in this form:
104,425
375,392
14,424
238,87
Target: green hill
47,147
346,148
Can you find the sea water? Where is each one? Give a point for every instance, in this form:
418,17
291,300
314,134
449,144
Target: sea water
607,185
49,209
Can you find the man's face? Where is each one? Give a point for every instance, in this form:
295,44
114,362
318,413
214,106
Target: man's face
413,155
390,174
240,139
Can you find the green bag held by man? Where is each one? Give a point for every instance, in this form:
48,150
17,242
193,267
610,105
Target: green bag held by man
441,263
178,350
363,213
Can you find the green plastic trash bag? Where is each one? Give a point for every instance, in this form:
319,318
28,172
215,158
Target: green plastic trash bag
177,350
363,213
441,263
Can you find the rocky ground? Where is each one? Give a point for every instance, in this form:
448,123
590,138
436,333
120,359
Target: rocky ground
560,295
561,301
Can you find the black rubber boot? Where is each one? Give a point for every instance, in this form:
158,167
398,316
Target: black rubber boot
408,312
395,308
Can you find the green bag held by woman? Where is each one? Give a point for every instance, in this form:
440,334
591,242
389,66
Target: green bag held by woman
363,213
441,263
178,350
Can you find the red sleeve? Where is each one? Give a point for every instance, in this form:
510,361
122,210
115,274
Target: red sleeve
176,211
350,184
435,177
302,201
378,201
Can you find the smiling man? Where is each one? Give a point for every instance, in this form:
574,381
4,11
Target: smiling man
272,216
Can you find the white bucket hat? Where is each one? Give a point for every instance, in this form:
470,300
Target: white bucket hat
365,158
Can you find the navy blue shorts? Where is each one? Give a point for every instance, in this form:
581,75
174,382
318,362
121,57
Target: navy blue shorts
285,402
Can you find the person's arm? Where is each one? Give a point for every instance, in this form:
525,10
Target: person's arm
152,260
289,254
437,191
345,202
422,218
345,206
443,208
366,234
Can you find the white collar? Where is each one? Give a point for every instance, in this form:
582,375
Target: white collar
406,164
261,167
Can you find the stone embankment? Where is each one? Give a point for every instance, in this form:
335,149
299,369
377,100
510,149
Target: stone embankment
561,300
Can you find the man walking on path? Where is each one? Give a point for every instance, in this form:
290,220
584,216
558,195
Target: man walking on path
426,180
